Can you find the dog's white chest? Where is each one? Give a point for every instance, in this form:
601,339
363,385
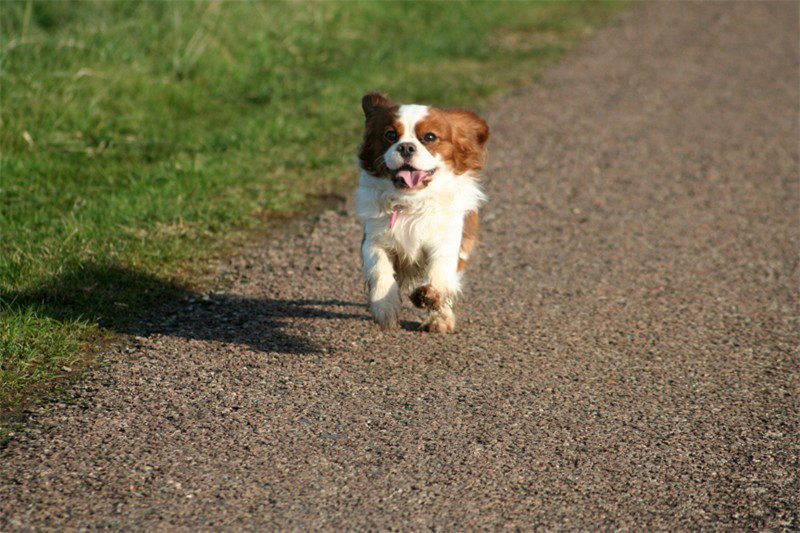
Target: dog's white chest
425,223
412,232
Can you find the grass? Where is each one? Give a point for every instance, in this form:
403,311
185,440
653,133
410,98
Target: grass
140,138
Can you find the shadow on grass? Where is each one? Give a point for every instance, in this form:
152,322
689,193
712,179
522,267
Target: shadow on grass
128,301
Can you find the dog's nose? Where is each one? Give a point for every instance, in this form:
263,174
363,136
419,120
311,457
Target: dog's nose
407,150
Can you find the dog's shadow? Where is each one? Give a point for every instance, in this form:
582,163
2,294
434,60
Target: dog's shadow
128,301
261,323
258,323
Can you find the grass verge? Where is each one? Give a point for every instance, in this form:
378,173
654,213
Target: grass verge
140,138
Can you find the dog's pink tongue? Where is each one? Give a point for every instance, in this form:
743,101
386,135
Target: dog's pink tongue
412,178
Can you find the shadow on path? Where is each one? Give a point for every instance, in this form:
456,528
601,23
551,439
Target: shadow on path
128,301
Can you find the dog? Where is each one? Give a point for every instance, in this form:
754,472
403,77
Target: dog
418,198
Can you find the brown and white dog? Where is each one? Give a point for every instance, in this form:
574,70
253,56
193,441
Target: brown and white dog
418,198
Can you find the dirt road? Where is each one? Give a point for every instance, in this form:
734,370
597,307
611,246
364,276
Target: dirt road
628,345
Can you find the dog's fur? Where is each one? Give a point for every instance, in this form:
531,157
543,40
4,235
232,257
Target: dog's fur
418,199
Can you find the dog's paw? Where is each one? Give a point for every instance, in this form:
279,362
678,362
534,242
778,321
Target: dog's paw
426,297
439,324
385,314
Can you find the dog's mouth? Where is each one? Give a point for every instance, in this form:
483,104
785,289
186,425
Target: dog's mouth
408,177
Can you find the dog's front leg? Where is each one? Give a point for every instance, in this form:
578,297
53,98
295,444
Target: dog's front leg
441,288
384,296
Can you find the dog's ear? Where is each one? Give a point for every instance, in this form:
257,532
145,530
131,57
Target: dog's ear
373,101
470,133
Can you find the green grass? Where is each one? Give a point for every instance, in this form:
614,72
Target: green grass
140,138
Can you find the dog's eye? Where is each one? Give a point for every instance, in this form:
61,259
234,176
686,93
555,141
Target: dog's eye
429,137
391,136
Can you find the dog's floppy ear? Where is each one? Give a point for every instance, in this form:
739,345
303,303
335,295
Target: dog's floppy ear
373,101
470,133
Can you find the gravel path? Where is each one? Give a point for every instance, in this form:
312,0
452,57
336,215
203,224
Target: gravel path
627,354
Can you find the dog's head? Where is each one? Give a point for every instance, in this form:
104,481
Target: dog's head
412,145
